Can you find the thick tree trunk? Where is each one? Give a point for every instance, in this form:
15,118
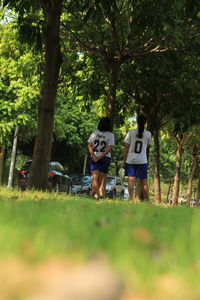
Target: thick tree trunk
44,136
157,189
113,82
190,180
2,154
176,182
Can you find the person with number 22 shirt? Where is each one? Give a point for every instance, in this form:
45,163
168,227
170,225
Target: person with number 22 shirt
137,143
100,144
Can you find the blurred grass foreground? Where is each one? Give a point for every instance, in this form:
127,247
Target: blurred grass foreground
59,247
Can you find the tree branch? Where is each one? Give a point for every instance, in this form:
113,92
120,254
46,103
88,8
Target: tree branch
88,48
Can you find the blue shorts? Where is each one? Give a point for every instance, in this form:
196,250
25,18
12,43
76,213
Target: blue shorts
102,165
136,170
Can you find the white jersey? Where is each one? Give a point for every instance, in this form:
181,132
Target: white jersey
101,140
137,153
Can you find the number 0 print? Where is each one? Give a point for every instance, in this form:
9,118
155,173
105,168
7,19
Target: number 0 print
138,147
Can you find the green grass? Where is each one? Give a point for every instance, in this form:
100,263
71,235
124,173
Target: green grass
142,242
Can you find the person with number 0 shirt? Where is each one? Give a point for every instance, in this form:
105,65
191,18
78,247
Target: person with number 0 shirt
100,144
137,143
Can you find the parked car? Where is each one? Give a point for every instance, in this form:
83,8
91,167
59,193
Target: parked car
115,187
58,180
81,184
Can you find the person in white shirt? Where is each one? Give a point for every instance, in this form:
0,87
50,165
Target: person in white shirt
137,143
100,144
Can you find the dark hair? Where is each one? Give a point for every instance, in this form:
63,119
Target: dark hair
141,121
105,124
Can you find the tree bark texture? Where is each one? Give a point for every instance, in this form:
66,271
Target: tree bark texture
168,197
113,82
176,182
191,177
157,188
13,158
2,154
43,143
198,185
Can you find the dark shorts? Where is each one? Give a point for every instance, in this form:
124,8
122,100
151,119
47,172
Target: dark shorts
139,171
102,165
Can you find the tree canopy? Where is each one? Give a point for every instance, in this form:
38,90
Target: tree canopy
97,58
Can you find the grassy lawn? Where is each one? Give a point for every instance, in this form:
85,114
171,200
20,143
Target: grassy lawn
154,249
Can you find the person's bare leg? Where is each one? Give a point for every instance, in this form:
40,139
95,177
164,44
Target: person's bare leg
102,183
131,184
95,183
145,188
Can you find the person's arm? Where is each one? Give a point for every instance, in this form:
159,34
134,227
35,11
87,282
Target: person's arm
107,150
91,152
126,149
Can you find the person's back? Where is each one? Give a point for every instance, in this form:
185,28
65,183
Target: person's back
137,143
101,140
138,146
100,144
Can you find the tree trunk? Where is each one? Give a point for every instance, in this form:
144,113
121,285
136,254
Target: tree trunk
113,82
85,164
198,186
44,136
157,189
168,198
190,180
176,182
13,158
2,154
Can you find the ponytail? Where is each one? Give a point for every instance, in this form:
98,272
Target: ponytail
141,121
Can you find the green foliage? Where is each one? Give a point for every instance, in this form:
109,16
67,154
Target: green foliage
29,20
167,158
115,30
19,84
111,26
82,76
72,123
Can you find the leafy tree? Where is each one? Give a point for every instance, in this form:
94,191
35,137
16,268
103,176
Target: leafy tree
51,13
111,30
119,31
163,86
185,112
81,96
42,150
148,86
18,85
21,70
19,82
